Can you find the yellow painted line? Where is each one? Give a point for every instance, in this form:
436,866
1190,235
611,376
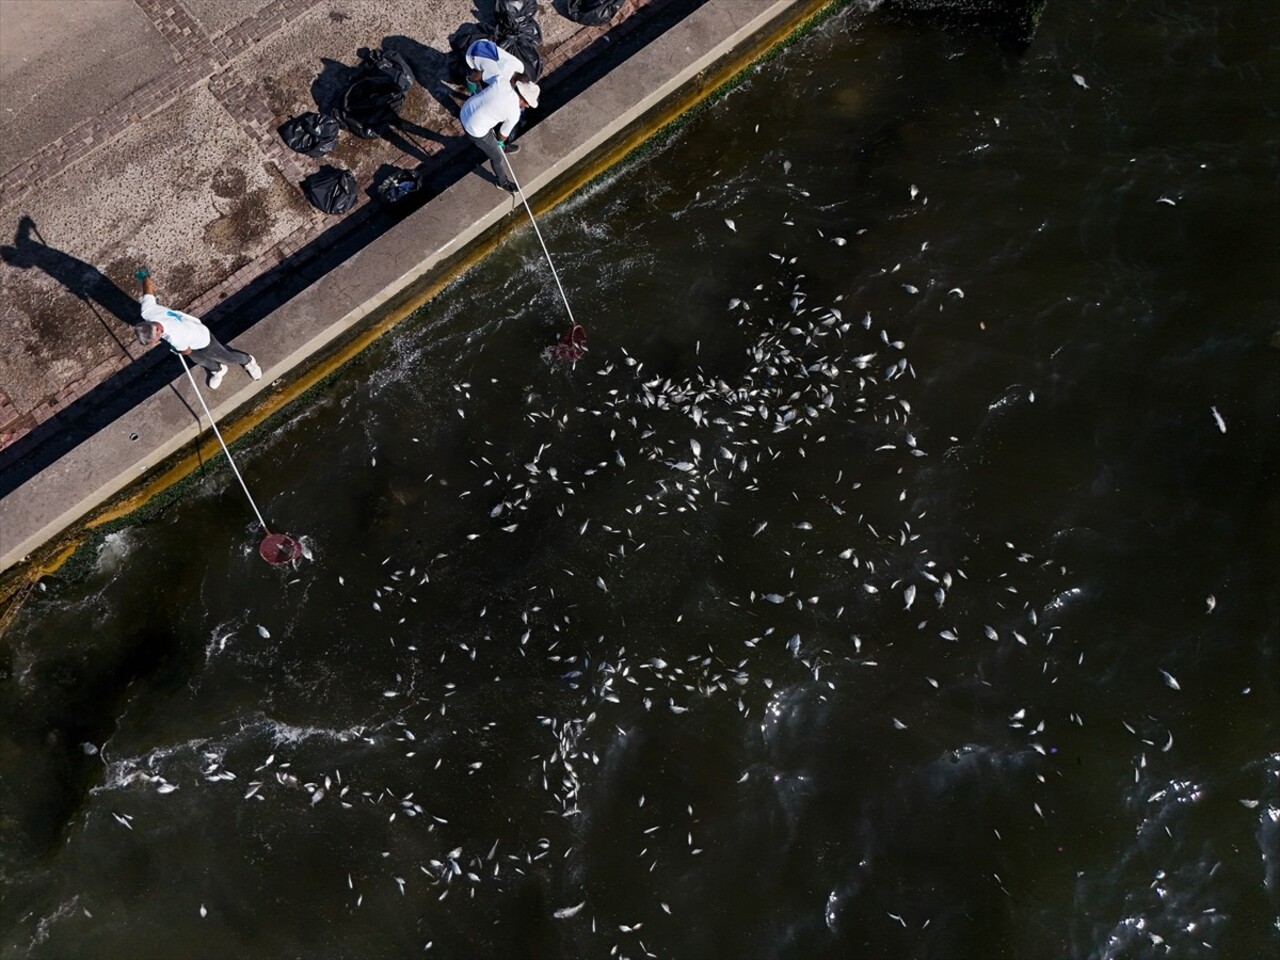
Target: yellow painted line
53,554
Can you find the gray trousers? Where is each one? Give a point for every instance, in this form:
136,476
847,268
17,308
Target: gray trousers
489,146
215,355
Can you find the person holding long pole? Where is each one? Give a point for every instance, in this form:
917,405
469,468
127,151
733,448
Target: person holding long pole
188,336
490,117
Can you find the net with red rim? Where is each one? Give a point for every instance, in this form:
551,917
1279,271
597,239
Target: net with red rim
572,345
278,548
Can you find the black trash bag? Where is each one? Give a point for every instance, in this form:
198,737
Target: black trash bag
522,40
510,13
314,134
592,12
527,30
332,189
388,62
372,102
399,185
370,105
465,35
526,50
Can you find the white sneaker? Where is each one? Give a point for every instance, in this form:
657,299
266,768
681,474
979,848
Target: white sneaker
252,369
215,377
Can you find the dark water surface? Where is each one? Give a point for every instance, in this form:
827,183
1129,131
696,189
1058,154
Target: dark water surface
851,599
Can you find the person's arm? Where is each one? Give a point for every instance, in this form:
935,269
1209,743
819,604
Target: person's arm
148,287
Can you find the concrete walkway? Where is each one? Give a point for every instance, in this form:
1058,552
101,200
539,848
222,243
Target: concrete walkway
386,268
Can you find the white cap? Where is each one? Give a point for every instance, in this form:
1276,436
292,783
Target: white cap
529,90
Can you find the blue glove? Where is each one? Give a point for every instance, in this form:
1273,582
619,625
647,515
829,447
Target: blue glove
142,274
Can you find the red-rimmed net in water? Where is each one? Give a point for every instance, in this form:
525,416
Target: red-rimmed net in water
571,346
278,548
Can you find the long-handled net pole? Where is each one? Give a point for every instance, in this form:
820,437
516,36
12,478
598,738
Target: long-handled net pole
218,434
546,252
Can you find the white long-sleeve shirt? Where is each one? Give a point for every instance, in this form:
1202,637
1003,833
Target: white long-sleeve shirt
496,104
492,61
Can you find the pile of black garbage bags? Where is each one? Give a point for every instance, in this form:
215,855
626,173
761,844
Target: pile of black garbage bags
514,29
371,103
369,106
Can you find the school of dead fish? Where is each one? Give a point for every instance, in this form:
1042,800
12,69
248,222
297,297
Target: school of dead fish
687,444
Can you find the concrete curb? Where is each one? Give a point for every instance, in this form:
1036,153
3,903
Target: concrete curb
378,277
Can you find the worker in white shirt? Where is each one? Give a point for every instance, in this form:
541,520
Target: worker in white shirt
188,336
488,62
497,108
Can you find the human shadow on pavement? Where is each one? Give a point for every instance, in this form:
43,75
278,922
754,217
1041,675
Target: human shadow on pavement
330,84
430,69
82,279
335,77
403,136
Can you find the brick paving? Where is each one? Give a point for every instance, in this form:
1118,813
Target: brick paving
260,26
243,100
199,57
184,34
